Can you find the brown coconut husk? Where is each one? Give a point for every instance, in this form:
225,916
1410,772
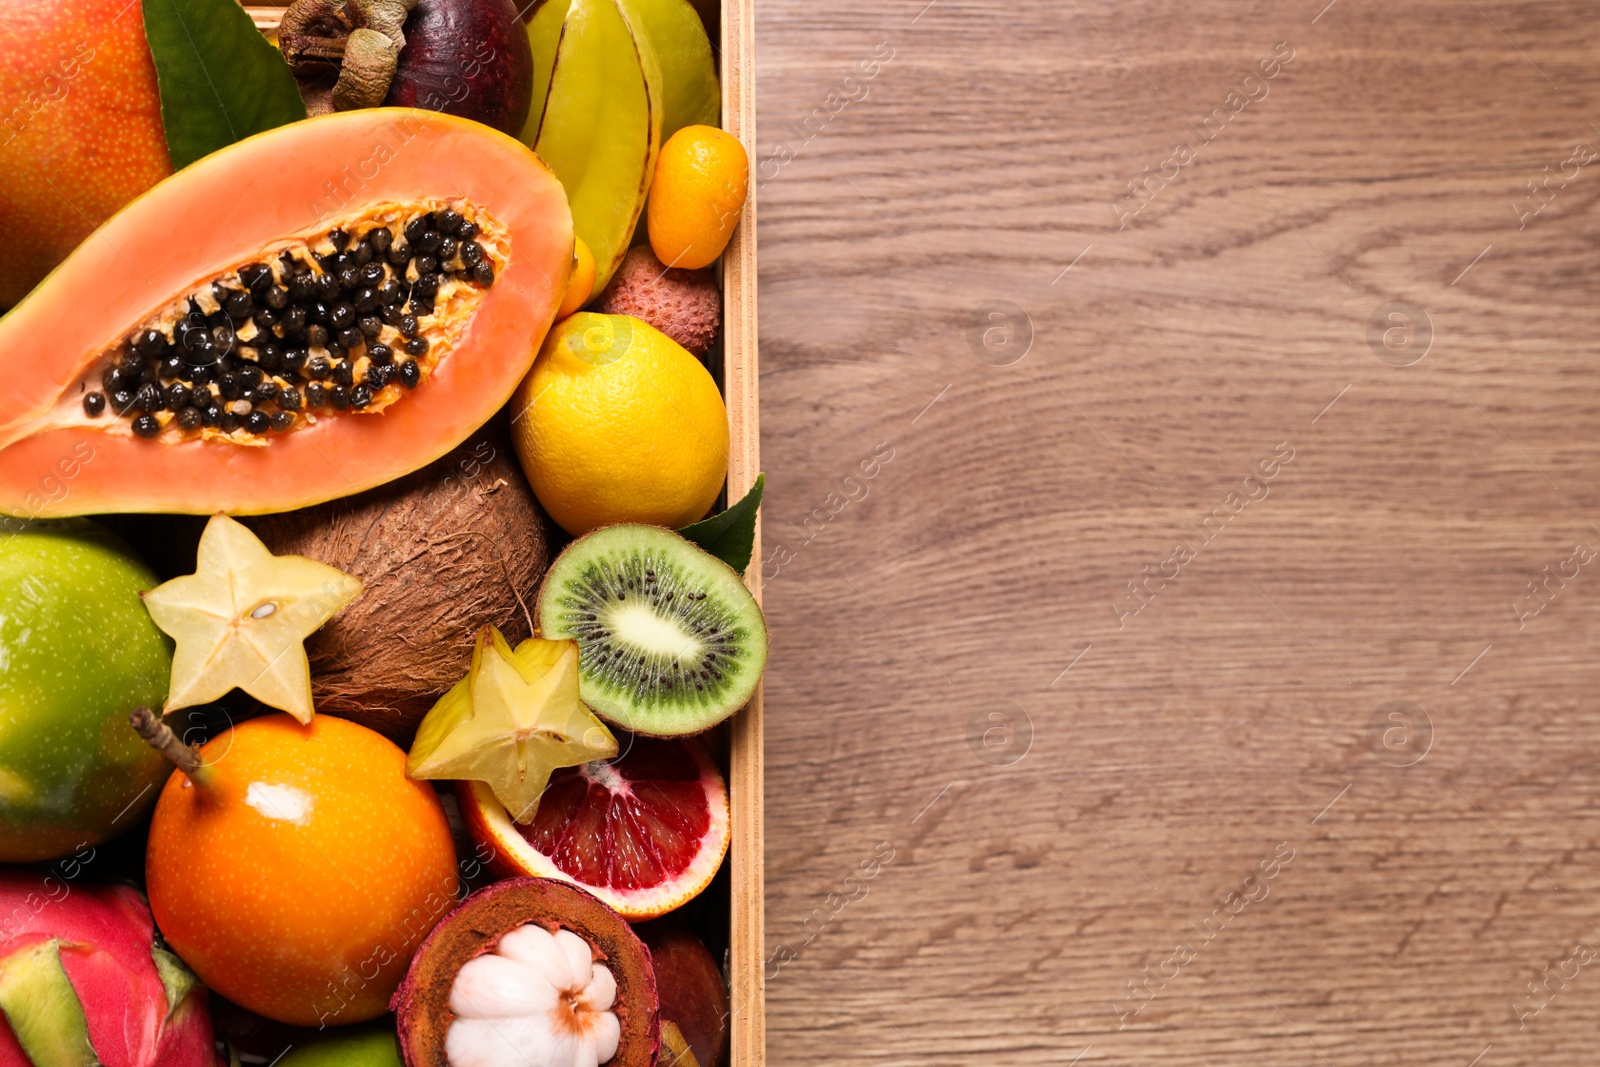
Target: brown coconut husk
457,545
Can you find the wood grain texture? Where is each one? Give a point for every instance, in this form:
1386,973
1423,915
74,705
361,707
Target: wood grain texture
943,887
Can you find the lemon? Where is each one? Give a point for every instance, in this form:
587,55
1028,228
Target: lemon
616,422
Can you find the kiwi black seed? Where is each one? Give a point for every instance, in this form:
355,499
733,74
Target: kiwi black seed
670,641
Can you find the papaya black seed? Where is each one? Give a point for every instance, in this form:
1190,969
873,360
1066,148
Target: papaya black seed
328,287
483,273
201,375
289,398
410,374
177,396
429,242
421,305
257,422
416,228
294,360
380,353
350,277
399,254
172,368
239,305
316,395
317,336
365,300
318,366
447,248
372,274
378,376
94,404
467,230
148,398
344,374
388,293
229,422
351,337
370,326
426,285
265,318
426,265
293,320
381,239
230,387
122,401
270,356
408,326
251,274
131,365
335,349
112,379
339,239
339,397
341,315
282,420
188,418
360,397
449,221
361,254
471,253
417,346
301,287
149,343
146,426
275,297
250,375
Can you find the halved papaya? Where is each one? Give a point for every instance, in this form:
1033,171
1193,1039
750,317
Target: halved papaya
303,315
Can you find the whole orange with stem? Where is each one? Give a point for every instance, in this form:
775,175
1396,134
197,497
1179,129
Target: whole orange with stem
296,868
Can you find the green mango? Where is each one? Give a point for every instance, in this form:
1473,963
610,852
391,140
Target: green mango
369,1046
78,652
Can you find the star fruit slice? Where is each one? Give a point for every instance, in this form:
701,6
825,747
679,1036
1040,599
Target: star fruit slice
241,620
512,720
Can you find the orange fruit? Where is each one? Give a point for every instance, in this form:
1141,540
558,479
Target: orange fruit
580,286
300,868
645,832
696,197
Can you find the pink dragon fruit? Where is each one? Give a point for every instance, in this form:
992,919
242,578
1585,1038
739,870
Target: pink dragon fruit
82,982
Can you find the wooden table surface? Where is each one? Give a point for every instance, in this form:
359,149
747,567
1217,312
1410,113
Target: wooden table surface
1186,602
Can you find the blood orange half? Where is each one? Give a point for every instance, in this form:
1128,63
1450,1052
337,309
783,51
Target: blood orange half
644,832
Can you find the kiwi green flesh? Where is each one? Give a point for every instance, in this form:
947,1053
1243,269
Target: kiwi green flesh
670,642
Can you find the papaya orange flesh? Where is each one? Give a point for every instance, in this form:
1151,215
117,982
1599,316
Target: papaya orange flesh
312,360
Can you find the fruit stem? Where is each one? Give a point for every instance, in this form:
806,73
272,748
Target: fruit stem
159,736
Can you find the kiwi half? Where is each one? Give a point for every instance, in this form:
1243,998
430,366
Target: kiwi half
670,642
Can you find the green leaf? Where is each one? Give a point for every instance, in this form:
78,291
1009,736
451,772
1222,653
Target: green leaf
731,535
221,80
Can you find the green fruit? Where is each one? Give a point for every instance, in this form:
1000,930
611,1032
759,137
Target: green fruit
596,118
372,1046
691,95
670,642
78,652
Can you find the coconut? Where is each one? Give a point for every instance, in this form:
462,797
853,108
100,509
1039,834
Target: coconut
443,552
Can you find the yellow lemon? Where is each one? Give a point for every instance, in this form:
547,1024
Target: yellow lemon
616,422
697,195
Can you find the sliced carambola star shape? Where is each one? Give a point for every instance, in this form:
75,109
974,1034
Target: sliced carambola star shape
241,620
510,722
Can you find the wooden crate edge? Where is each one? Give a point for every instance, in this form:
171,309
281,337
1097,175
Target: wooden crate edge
741,379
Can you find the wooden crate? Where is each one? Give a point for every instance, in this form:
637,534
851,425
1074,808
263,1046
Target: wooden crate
747,1037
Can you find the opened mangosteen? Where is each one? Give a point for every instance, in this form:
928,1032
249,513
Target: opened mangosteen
529,970
469,58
